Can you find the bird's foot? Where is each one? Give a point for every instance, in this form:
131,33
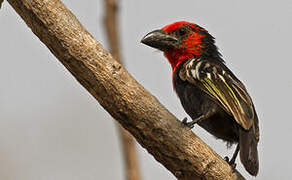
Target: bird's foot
188,124
230,162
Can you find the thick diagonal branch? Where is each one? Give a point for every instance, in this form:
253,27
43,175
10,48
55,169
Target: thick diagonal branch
153,126
132,171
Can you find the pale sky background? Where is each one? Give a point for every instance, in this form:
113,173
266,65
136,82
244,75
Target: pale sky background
52,129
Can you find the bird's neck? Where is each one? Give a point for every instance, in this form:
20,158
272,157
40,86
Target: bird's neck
175,58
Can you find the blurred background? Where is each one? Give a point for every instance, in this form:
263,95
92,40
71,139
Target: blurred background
52,129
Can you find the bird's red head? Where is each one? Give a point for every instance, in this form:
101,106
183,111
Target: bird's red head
180,41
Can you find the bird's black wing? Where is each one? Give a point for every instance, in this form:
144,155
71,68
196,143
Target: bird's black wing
223,87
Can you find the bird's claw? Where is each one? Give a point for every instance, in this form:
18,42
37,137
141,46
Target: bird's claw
231,163
184,120
188,124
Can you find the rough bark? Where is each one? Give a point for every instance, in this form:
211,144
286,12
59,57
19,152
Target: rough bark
153,126
132,171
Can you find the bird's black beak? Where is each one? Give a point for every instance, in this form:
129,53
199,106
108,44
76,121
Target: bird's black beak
159,39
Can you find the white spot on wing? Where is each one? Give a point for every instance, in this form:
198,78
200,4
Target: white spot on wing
207,65
192,62
197,70
194,73
209,75
221,77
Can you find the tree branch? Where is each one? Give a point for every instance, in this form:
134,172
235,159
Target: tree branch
128,144
153,126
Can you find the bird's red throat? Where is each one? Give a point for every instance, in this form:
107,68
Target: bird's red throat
176,57
192,46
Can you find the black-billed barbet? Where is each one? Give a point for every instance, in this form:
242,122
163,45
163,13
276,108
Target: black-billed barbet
209,92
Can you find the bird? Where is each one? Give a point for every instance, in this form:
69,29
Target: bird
208,90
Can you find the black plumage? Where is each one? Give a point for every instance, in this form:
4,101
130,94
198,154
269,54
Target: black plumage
209,92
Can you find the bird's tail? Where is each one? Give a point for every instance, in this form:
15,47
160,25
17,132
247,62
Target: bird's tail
248,150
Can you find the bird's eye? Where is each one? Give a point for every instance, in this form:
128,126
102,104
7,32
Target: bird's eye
182,31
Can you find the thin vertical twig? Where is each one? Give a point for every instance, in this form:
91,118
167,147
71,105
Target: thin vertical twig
127,141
